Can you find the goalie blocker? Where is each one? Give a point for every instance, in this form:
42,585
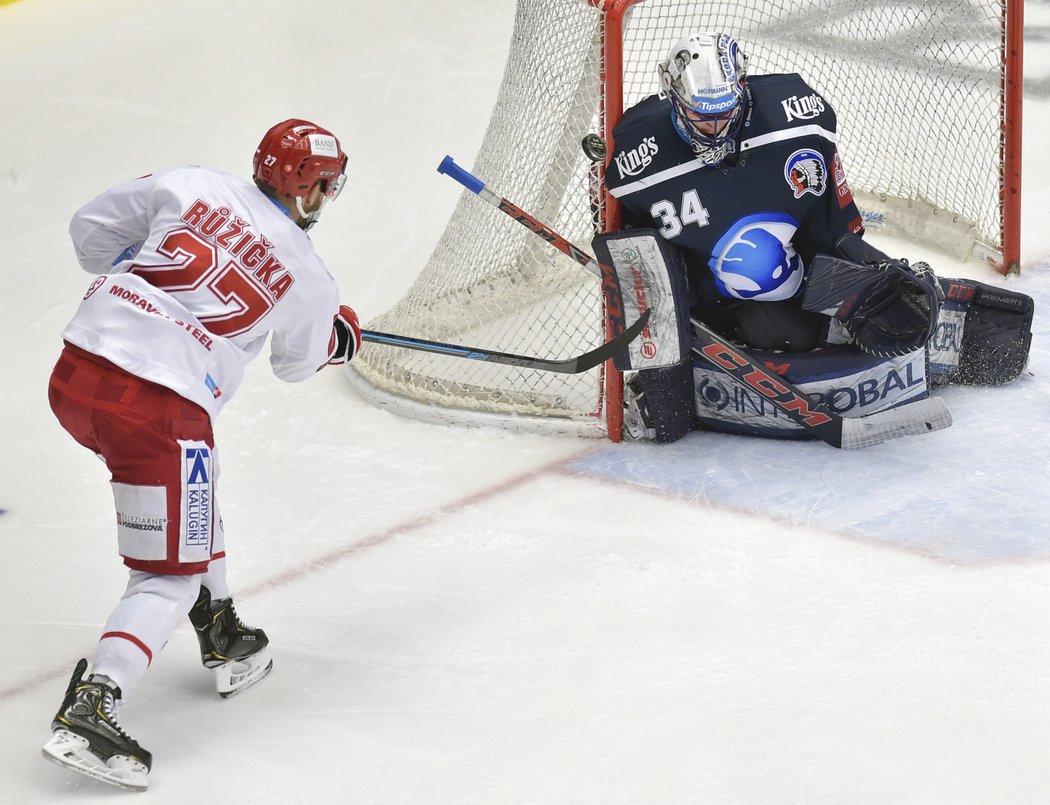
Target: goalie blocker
938,331
648,274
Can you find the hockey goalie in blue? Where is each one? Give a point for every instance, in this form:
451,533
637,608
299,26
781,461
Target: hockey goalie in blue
737,213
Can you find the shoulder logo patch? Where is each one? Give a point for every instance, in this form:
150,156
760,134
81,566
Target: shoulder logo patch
806,172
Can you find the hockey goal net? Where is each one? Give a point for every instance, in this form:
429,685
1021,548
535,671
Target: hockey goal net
928,100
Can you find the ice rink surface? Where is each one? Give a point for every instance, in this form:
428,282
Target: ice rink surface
479,616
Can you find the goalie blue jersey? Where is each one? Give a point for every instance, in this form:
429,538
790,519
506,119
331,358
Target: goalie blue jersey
750,225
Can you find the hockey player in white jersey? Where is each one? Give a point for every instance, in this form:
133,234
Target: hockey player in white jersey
196,268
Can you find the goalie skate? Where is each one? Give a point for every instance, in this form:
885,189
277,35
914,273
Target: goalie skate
236,654
635,416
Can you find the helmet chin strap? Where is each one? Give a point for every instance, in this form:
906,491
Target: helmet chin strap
309,218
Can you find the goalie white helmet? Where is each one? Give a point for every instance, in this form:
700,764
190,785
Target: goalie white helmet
704,75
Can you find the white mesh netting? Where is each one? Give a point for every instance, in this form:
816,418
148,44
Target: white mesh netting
916,86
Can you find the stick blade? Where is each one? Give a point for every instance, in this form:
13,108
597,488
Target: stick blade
607,350
922,416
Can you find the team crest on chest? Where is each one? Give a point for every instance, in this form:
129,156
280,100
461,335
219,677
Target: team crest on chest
806,172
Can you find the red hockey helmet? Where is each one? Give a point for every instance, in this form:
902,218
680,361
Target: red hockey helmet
296,154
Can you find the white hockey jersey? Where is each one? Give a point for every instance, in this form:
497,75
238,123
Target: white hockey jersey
198,267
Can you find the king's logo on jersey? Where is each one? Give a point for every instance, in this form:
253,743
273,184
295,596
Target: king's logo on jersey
805,108
633,162
806,172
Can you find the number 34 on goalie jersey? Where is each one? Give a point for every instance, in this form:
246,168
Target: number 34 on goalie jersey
672,221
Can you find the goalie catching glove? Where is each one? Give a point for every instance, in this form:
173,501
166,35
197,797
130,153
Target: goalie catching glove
346,337
890,308
899,313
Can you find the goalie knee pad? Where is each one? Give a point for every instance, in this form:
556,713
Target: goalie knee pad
983,336
782,325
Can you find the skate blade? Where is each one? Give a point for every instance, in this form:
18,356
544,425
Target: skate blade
237,676
73,752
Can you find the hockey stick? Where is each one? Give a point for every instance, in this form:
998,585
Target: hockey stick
475,185
581,363
921,416
818,418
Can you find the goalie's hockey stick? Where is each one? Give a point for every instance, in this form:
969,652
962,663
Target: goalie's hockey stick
818,418
581,363
921,416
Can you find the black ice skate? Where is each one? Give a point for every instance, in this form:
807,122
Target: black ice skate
88,739
235,652
637,424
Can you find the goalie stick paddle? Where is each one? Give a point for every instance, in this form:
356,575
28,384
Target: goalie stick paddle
921,416
818,418
581,363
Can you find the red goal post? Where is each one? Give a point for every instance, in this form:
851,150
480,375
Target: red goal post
928,96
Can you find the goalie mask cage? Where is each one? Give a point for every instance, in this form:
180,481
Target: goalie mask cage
928,100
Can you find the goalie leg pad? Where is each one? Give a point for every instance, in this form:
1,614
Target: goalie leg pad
848,380
983,336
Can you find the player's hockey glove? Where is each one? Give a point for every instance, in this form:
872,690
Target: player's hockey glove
346,337
898,311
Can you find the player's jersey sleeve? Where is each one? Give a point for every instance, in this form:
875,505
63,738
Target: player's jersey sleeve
795,112
300,349
113,225
836,216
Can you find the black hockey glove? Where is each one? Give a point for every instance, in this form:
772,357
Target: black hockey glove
898,312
